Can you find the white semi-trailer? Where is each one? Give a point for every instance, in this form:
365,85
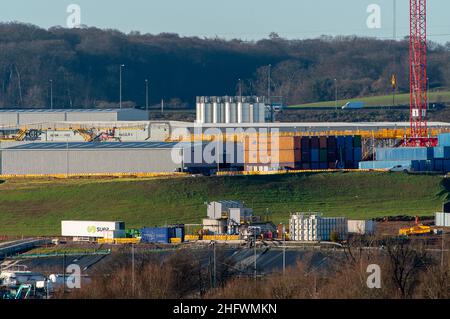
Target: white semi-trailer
87,230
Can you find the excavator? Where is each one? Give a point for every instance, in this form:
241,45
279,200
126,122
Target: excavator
417,229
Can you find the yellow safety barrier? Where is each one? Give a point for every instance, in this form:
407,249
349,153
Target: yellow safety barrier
221,237
105,241
127,240
191,237
175,240
118,175
119,241
297,171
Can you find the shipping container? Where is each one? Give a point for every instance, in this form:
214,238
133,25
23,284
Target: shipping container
323,142
89,229
323,165
349,142
438,165
312,227
384,164
323,155
160,235
306,157
349,155
442,219
446,165
331,143
402,154
332,157
315,165
441,152
357,154
357,141
332,165
305,143
361,227
315,156
444,139
306,165
340,141
314,142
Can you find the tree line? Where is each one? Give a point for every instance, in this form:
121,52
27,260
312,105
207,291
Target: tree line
80,67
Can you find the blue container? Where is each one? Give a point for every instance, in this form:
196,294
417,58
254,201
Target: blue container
402,154
157,235
349,142
315,155
357,154
442,152
444,139
349,154
179,232
438,165
415,165
341,141
323,165
384,164
315,166
446,166
425,166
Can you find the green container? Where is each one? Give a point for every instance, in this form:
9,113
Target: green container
323,156
357,141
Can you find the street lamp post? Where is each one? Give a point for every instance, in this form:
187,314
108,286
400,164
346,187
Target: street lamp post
335,93
146,95
120,85
240,88
51,94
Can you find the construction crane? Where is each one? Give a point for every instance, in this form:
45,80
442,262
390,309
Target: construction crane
418,76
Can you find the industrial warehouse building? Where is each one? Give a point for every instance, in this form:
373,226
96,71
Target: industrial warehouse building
111,158
15,117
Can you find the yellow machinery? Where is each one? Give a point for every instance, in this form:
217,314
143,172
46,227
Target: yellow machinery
417,229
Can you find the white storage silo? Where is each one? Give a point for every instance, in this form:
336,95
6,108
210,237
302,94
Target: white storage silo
222,111
202,112
198,111
233,112
255,113
208,112
240,111
245,112
261,112
216,112
250,113
227,107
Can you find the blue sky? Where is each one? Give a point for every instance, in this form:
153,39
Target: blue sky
245,19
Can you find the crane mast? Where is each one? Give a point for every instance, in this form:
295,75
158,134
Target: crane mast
418,75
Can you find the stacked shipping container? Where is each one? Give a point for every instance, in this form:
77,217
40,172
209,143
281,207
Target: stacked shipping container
161,235
264,153
419,159
307,227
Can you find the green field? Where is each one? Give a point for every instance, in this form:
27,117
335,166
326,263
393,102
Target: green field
384,100
37,207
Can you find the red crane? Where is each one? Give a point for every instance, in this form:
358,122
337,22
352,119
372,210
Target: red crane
418,76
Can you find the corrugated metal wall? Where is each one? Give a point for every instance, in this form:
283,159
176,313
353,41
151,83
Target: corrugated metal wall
23,162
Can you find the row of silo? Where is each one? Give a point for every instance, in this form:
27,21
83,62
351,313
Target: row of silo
238,109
